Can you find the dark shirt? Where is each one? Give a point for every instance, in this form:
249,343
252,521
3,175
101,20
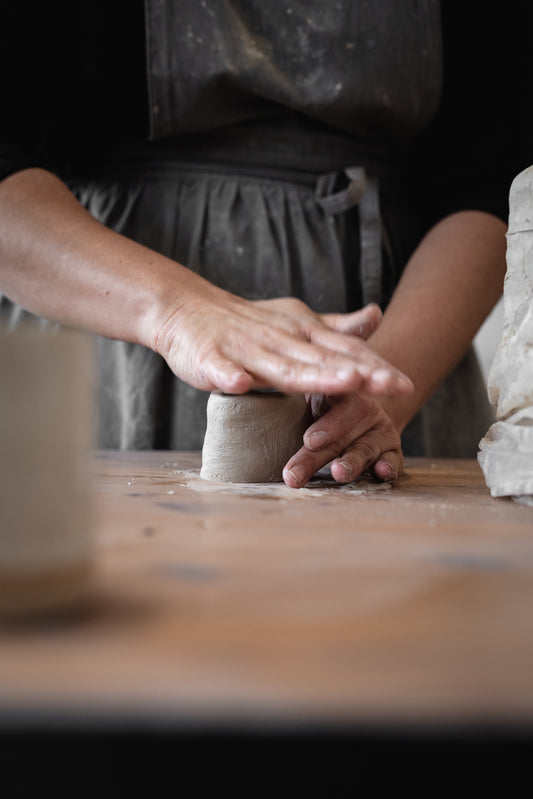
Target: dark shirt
74,87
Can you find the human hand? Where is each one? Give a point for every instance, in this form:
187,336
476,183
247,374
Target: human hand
352,431
220,342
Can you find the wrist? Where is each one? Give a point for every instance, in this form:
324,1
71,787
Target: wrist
175,308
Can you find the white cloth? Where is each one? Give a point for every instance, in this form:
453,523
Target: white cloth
506,451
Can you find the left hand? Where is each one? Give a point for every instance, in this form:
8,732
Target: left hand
355,433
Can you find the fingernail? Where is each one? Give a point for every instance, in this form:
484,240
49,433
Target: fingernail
317,439
405,383
345,467
384,471
298,474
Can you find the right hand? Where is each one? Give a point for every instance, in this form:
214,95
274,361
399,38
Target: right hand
216,341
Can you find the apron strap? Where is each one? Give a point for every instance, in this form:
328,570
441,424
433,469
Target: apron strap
362,191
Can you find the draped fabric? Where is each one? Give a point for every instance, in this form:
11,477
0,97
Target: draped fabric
254,107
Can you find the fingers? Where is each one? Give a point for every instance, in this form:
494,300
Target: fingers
355,436
363,455
333,375
345,334
389,465
329,363
360,323
380,377
219,374
229,344
298,367
301,467
267,370
366,455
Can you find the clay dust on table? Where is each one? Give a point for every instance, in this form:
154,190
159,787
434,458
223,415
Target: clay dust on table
319,486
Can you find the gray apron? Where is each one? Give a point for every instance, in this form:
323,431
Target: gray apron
273,129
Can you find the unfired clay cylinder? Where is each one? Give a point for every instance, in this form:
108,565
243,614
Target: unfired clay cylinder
250,437
46,423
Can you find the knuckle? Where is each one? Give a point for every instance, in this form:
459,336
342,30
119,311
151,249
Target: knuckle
392,438
279,338
207,354
355,346
286,372
366,451
294,305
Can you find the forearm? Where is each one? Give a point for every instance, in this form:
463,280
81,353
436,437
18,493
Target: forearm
449,286
59,262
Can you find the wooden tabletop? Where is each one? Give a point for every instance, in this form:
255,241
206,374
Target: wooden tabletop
261,604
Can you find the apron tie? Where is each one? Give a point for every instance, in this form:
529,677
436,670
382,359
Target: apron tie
362,191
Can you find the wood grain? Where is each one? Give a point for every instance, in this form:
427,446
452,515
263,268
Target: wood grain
402,605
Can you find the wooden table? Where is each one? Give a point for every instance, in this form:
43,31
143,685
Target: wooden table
261,608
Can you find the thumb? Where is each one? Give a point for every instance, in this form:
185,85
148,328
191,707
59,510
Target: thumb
361,323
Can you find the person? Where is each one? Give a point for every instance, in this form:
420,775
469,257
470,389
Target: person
241,195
